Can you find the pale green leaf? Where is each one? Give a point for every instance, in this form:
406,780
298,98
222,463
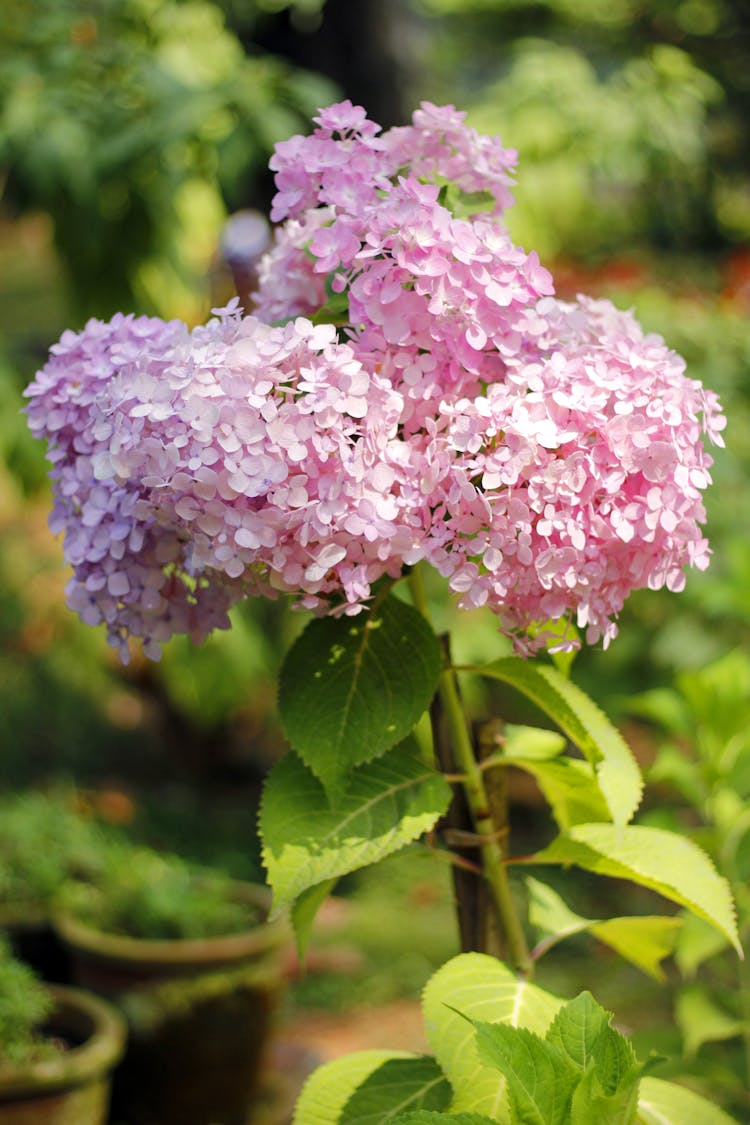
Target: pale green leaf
480,988
329,1088
698,942
570,788
305,910
666,1103
701,1020
644,940
395,1088
540,1078
389,803
549,914
670,864
584,723
352,687
531,743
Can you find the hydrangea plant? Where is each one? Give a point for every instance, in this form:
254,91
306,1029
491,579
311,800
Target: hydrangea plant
408,394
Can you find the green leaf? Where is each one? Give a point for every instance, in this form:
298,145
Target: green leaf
670,864
396,1087
593,1106
389,803
583,1030
644,940
329,1088
335,310
424,1117
584,723
530,744
540,1077
666,1103
701,1020
480,988
305,910
698,942
554,632
551,915
570,788
351,688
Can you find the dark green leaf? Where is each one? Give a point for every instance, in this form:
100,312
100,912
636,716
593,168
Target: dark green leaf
397,1087
424,1117
351,688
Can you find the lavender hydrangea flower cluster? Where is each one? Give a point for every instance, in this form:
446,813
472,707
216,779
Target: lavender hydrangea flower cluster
407,389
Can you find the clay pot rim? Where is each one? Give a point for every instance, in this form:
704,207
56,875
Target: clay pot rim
264,937
96,1056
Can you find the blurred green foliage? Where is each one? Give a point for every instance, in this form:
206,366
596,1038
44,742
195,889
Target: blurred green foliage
579,197
140,893
44,840
134,124
630,119
24,1004
700,781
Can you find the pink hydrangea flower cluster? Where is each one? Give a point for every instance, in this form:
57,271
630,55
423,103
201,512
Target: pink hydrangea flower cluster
408,389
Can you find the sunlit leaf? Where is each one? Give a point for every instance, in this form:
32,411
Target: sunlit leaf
644,940
329,1088
531,744
481,988
571,789
666,1103
670,864
584,723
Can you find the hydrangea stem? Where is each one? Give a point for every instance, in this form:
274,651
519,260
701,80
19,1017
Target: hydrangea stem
464,757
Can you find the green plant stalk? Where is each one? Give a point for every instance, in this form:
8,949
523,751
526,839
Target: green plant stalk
473,783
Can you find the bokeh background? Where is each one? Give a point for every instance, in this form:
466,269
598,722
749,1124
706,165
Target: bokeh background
130,130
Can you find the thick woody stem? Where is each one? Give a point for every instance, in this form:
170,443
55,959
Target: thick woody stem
487,916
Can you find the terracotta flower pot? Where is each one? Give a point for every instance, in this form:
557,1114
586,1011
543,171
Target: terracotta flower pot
72,1087
199,1013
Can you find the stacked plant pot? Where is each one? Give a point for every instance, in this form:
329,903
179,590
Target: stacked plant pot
199,1012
